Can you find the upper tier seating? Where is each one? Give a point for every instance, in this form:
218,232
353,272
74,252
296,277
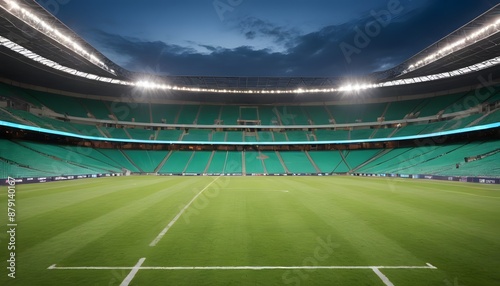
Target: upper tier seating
107,109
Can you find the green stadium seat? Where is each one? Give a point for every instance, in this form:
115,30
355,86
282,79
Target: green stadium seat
208,114
188,114
297,162
230,114
326,161
141,134
97,108
146,161
118,158
272,163
253,163
165,113
177,162
197,135
293,115
234,136
198,162
318,114
169,135
217,163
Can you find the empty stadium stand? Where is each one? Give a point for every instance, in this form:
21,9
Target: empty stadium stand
25,159
209,123
283,115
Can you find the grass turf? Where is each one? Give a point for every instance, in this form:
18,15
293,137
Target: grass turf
255,221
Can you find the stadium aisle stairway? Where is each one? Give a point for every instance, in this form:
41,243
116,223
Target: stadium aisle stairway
218,163
177,162
272,163
146,160
253,163
297,162
198,162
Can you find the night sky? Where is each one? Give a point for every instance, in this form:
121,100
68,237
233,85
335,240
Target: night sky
263,37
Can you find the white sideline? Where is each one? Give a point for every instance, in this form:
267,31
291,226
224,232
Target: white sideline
132,273
164,231
382,277
54,267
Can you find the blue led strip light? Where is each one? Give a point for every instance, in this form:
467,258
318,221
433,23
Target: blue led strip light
68,134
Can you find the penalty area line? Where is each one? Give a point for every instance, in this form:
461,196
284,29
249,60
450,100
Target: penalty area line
132,273
54,267
431,266
171,223
382,277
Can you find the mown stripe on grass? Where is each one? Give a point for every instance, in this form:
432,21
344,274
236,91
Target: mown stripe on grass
343,212
74,194
63,244
171,223
448,237
67,216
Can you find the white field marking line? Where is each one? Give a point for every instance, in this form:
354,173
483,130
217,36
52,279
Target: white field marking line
382,277
254,189
430,189
164,231
54,267
230,189
431,266
448,183
474,195
132,273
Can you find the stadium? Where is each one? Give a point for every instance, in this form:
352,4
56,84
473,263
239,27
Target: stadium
115,177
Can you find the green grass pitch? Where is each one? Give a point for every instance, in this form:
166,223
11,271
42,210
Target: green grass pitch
254,221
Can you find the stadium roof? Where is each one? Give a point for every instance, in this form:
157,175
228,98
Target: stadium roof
471,51
26,35
85,70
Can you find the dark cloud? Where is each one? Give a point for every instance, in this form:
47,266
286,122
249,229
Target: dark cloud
210,48
250,35
253,28
357,47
